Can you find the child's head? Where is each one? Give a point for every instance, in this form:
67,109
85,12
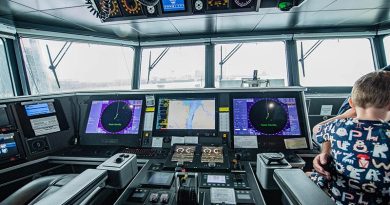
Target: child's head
372,91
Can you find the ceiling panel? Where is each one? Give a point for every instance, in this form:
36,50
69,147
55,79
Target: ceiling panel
277,21
162,27
313,5
49,4
371,17
195,25
83,17
119,30
9,8
328,18
358,4
237,23
38,17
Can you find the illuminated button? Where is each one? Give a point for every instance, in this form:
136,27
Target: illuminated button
153,197
164,198
146,134
224,135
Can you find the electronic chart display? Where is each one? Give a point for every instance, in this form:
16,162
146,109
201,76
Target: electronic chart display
186,116
114,117
8,147
266,116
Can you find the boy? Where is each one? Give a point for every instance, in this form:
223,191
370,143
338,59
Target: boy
359,172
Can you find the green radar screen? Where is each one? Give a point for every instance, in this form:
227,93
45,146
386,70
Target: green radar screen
268,116
116,116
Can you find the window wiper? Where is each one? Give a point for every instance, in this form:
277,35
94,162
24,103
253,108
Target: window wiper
155,62
54,63
307,54
227,57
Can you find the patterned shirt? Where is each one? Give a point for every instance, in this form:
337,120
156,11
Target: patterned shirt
360,166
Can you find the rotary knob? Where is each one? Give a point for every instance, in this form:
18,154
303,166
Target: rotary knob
151,9
198,5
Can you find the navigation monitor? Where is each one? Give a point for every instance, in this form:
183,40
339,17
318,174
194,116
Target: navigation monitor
173,5
276,120
8,148
186,115
266,116
114,117
110,120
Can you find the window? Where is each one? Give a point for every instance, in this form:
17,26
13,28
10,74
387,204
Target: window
78,66
6,88
334,62
173,67
236,65
386,42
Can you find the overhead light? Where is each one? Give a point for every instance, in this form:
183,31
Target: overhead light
286,5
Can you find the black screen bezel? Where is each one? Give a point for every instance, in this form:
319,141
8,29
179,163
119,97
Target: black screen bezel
25,120
275,143
128,140
186,132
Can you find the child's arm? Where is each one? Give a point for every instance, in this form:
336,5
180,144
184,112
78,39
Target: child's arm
322,159
351,113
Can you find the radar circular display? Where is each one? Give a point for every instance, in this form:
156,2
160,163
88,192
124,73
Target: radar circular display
116,116
268,116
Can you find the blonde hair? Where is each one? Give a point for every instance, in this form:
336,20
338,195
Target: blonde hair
372,90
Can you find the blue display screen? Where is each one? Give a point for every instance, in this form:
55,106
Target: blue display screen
173,5
266,116
7,146
39,109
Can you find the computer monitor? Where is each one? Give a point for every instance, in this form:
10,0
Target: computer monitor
266,116
114,117
186,116
277,120
113,121
8,148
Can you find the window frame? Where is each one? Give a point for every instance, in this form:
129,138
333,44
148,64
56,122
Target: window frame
385,54
99,42
8,60
142,48
286,58
332,89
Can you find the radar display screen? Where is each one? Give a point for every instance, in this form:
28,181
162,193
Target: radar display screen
186,114
8,147
183,153
114,117
217,5
266,116
212,154
173,5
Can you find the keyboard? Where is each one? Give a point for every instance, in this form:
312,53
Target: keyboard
147,153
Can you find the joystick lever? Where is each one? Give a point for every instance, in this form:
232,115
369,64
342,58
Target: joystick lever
236,161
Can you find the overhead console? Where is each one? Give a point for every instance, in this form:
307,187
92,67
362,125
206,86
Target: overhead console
122,10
